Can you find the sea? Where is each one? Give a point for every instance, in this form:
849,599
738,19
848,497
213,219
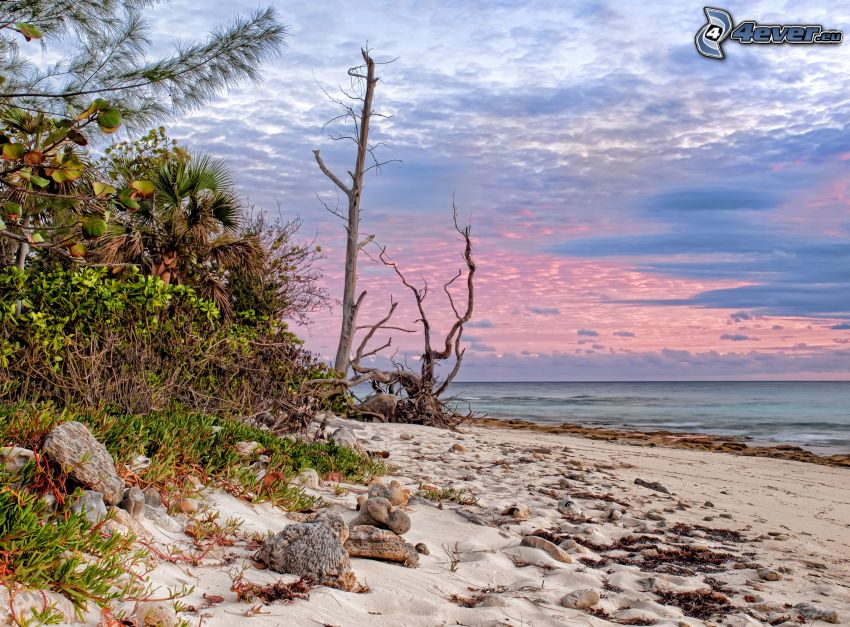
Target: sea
813,415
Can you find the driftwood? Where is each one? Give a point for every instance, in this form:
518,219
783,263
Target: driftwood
380,544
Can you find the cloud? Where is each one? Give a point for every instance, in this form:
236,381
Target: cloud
738,316
588,332
545,311
843,326
480,324
624,334
737,337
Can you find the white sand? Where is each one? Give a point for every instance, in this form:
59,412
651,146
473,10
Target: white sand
808,506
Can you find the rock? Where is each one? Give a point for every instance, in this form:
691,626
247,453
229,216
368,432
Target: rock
458,448
161,519
768,574
553,550
134,502
580,599
811,612
652,485
91,504
155,614
124,523
312,549
152,497
28,604
568,507
246,449
404,435
14,458
344,436
422,548
374,543
72,446
140,462
568,544
381,406
520,511
307,478
187,506
393,492
653,515
377,511
614,515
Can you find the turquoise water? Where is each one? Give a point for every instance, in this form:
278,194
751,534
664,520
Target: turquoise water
815,415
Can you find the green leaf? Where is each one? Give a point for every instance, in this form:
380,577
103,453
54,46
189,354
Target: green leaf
70,169
98,104
29,31
125,197
13,152
145,189
2,224
102,189
37,238
12,210
37,180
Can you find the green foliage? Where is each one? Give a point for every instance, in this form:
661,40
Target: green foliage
83,336
461,496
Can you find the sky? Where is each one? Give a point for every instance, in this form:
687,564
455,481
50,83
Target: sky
639,212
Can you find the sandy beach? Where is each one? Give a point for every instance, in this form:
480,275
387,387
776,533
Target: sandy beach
769,538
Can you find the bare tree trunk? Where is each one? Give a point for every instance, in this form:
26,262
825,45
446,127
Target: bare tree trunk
23,247
350,302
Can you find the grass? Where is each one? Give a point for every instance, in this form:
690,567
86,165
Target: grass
461,496
52,549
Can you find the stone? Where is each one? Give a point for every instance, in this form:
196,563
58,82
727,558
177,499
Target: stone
422,548
373,543
568,507
344,436
161,519
653,515
134,502
568,544
380,406
768,574
614,515
519,511
246,449
312,549
652,485
393,492
580,599
75,449
140,462
404,435
26,604
377,511
91,504
124,523
307,478
458,448
152,497
14,458
187,506
809,611
155,614
553,550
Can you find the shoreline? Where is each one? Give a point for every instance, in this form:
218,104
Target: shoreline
673,439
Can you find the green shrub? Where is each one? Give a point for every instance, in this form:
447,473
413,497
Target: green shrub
83,337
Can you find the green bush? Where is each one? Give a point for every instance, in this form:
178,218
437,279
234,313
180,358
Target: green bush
81,336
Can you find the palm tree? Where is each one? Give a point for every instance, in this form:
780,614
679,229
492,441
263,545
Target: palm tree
189,234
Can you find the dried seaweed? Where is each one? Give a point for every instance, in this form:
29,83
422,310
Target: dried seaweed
269,593
702,604
717,535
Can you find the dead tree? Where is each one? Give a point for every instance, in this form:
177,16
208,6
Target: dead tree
361,119
419,395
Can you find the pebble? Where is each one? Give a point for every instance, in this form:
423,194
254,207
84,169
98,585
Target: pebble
422,548
404,435
580,599
152,497
652,515
652,485
458,448
91,504
133,502
187,506
520,511
14,458
246,448
768,574
553,550
815,613
569,507
568,544
307,478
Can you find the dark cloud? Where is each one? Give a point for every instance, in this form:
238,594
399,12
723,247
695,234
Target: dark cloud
624,334
843,326
480,324
545,311
738,337
588,332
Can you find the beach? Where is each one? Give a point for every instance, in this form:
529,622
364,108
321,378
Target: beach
654,535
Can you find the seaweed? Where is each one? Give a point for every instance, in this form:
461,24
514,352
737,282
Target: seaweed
702,604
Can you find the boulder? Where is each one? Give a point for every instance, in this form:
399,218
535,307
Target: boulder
380,405
75,449
380,544
312,549
134,502
91,504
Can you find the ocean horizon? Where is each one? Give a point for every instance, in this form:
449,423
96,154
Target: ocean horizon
812,414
